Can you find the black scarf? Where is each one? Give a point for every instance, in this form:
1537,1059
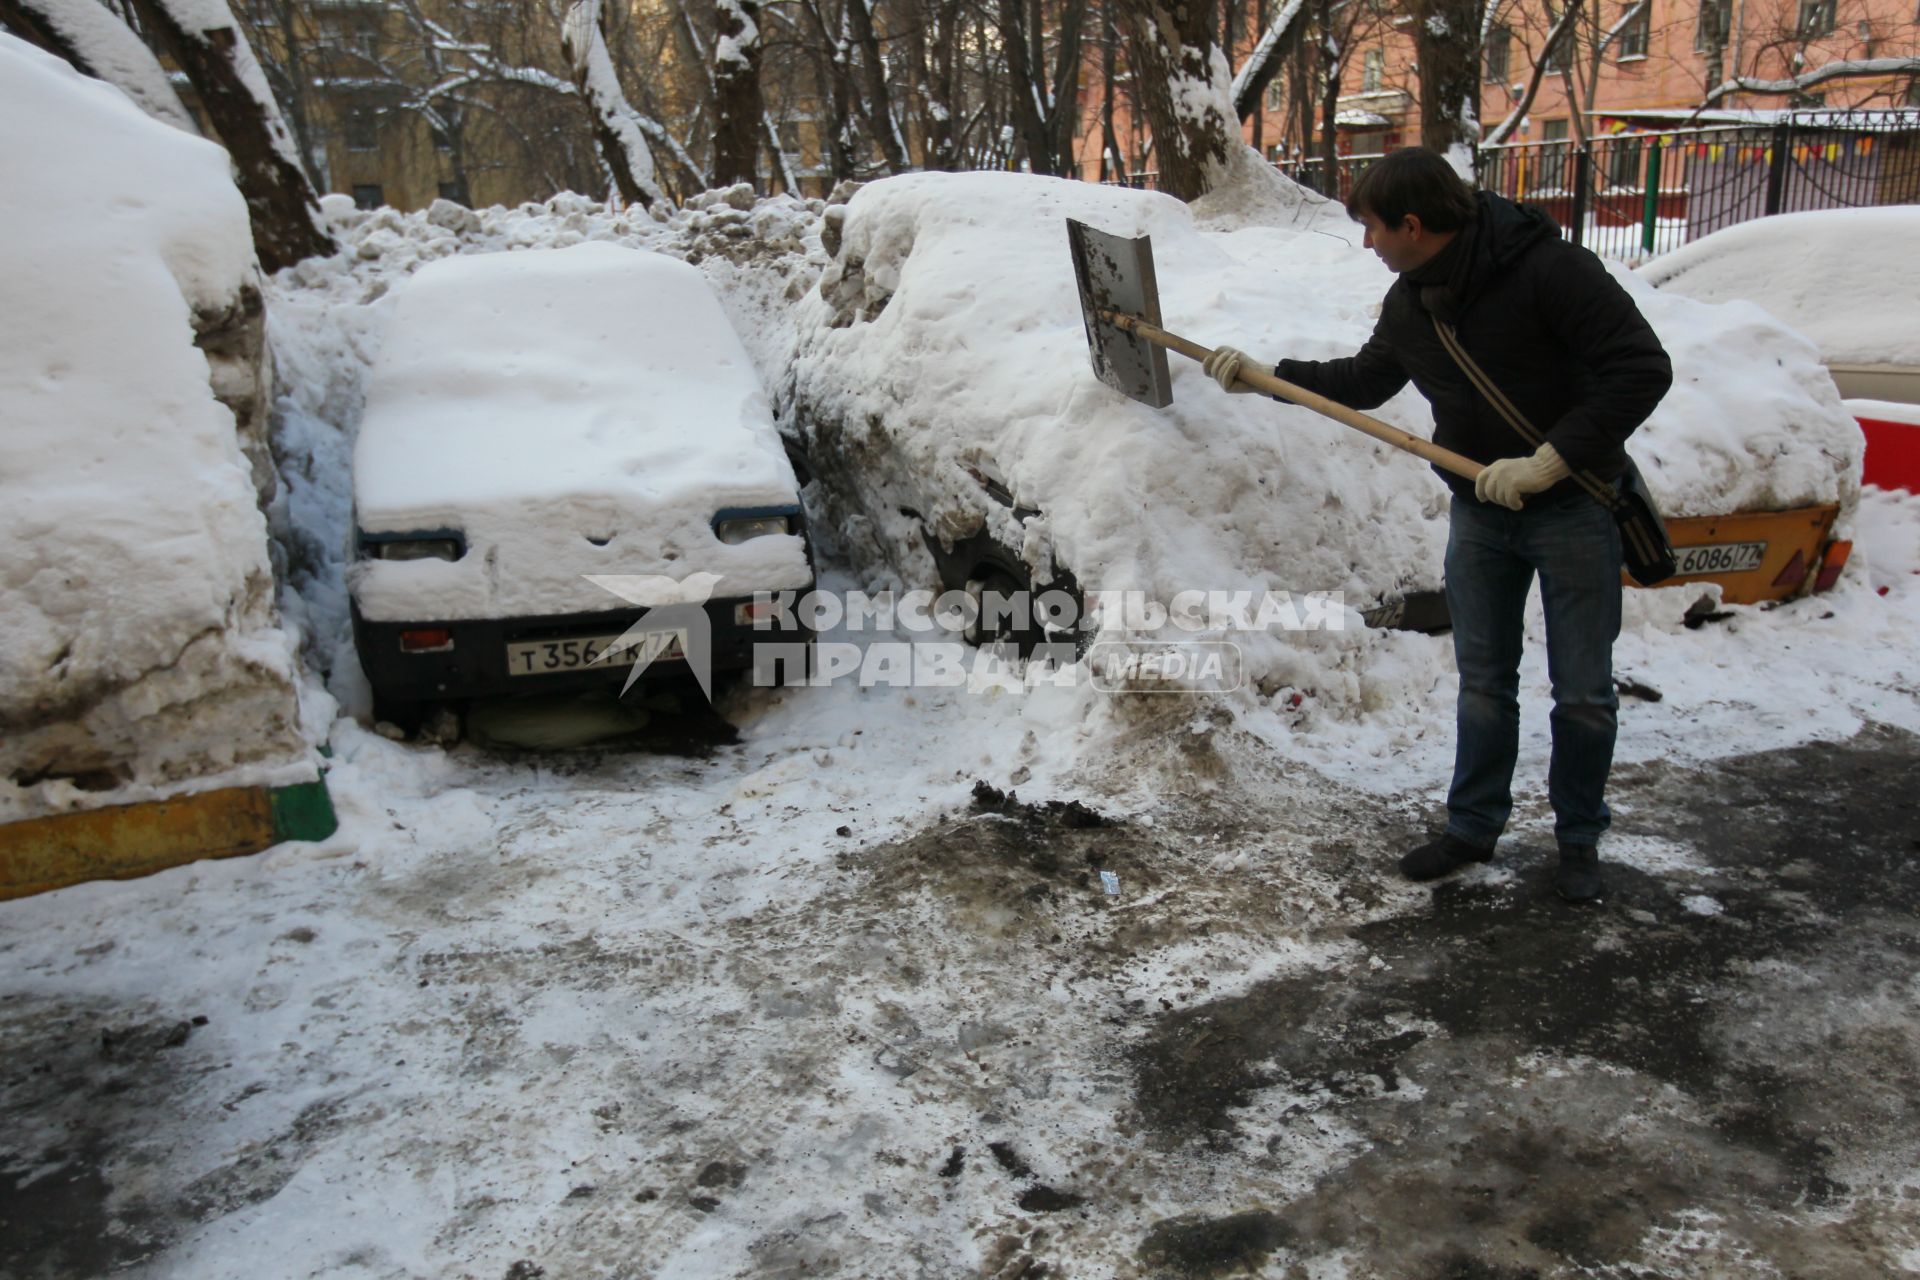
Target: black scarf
1441,281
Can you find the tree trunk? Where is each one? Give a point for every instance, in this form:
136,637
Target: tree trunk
95,43
1446,42
1332,71
221,67
739,108
1026,87
878,101
1180,78
623,147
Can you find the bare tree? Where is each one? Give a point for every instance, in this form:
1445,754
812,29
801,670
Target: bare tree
1045,105
1559,36
219,63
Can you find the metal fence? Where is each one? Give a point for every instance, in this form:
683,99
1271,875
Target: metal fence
1634,195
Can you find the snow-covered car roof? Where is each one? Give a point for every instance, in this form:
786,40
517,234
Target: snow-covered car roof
576,411
1847,278
595,368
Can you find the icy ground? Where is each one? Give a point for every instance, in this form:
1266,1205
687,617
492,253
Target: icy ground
788,994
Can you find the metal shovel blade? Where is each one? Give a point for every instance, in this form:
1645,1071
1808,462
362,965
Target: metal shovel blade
1116,274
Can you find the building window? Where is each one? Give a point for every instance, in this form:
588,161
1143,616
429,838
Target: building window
1499,53
1636,26
1816,17
1714,26
367,195
363,129
1372,70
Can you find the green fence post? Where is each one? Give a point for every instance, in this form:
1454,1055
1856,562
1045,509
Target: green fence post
1652,207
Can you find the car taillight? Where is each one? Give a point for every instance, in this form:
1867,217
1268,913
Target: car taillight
1835,561
746,615
1794,574
426,640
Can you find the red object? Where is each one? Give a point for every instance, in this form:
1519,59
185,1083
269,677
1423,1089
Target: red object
1893,454
1794,574
426,640
1832,563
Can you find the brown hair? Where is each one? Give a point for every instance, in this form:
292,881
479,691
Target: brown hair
1413,180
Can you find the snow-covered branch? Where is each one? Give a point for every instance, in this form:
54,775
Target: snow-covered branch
1263,63
1850,68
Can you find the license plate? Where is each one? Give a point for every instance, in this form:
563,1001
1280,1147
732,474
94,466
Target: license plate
1721,557
548,657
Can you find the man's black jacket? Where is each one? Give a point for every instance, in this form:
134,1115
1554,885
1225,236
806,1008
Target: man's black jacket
1545,321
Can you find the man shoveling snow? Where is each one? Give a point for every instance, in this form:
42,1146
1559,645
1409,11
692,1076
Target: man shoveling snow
1492,305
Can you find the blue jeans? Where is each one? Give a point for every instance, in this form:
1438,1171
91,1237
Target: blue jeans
1492,555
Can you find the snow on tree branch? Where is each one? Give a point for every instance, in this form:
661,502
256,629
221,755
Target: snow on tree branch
98,44
1851,68
1264,62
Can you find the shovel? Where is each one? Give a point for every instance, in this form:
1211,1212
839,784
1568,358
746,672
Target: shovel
1120,303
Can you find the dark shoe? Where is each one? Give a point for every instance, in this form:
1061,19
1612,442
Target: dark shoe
1578,879
1441,857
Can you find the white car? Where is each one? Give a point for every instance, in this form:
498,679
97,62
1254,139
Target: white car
1849,279
556,443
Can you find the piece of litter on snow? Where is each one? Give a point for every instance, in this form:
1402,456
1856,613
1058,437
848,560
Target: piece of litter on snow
1110,881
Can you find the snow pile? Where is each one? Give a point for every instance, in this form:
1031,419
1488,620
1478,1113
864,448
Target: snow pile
137,637
945,351
575,412
1847,278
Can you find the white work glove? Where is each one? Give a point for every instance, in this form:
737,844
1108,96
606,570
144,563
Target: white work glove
1223,366
1509,481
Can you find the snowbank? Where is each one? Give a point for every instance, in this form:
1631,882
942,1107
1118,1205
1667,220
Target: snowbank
1847,278
138,646
945,349
581,411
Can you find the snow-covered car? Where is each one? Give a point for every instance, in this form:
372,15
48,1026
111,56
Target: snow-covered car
1849,279
557,444
942,389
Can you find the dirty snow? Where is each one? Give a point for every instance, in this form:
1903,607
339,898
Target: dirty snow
137,637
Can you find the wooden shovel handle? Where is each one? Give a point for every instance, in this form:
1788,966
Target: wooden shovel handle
1259,380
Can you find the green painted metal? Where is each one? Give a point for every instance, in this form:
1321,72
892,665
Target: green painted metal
303,811
1653,194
